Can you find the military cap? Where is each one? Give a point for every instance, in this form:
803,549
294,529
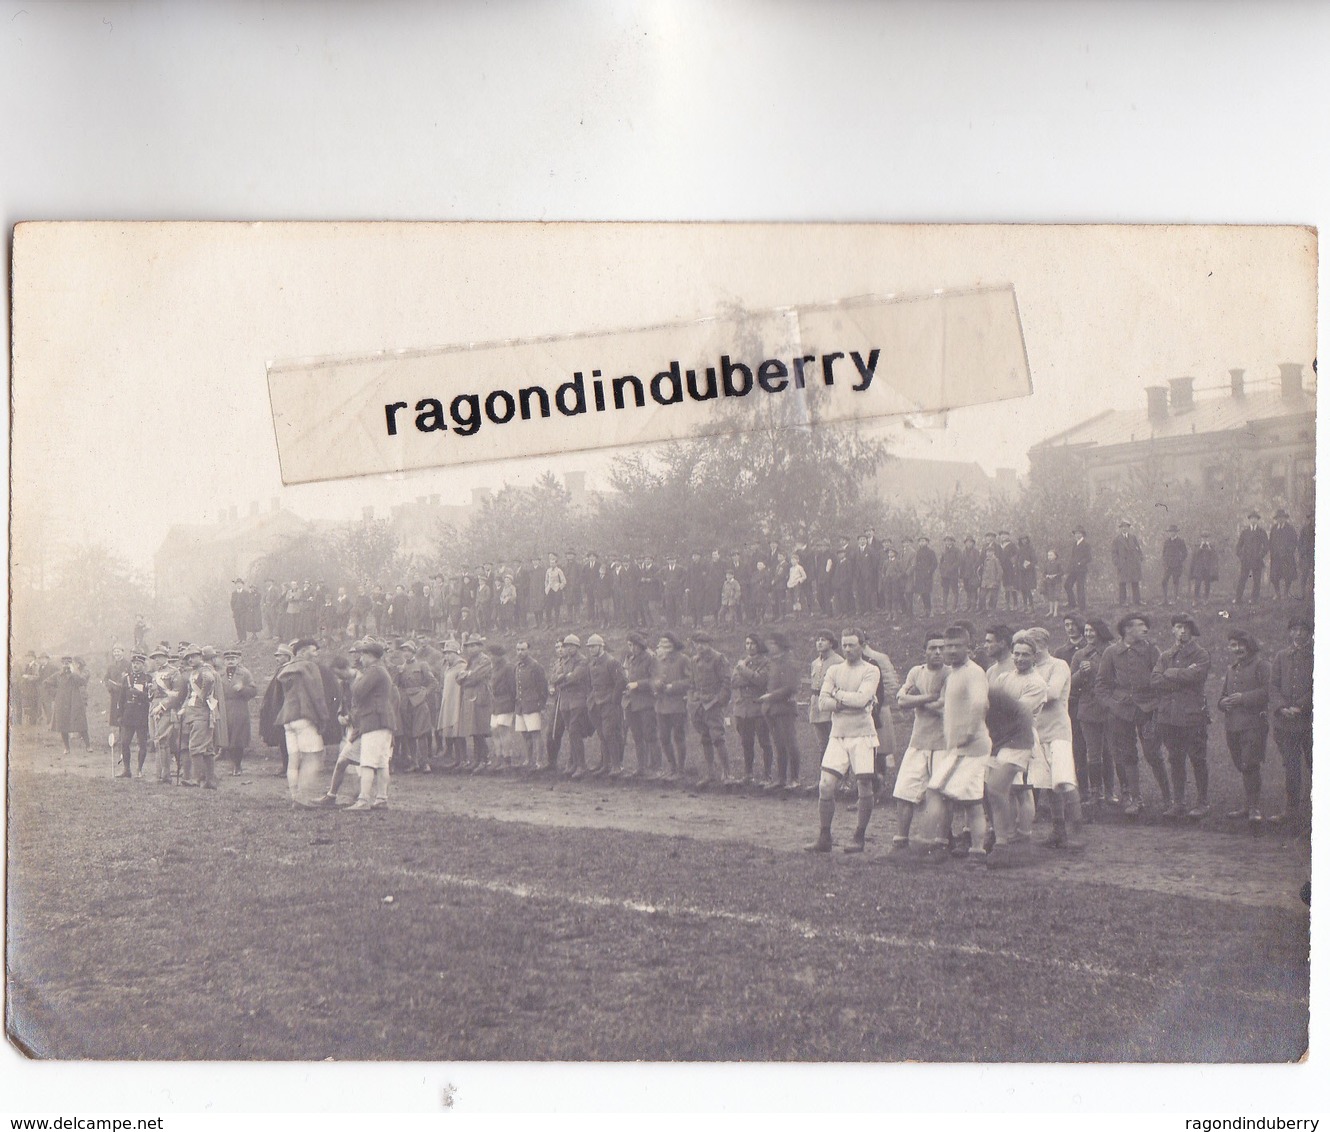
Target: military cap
596,639
572,639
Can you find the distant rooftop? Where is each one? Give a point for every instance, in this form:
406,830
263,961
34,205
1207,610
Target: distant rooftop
1177,411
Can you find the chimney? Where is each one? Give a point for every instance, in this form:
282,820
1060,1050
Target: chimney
1180,394
367,513
1236,383
1290,379
1157,401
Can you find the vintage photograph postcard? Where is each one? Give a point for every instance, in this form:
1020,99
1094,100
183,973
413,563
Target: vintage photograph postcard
661,642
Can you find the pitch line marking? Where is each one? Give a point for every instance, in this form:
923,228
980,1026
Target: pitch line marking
807,930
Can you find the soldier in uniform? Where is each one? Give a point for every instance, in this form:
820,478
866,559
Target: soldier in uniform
163,720
135,695
476,706
570,683
605,680
639,704
415,680
708,699
197,700
233,726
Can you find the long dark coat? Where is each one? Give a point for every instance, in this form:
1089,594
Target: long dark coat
232,719
69,714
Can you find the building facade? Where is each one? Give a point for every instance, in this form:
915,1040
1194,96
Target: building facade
1252,441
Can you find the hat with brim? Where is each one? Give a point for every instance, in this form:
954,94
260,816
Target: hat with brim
1188,620
192,650
596,639
157,654
283,650
303,643
572,639
638,640
408,645
472,639
368,646
701,637
674,640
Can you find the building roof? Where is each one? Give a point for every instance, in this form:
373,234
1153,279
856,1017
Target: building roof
244,528
1208,415
916,481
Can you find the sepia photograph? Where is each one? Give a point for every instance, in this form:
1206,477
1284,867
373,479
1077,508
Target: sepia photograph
392,677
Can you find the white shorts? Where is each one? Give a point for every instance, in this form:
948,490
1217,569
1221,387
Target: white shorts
1006,756
850,753
376,748
1053,767
528,723
504,720
912,778
349,751
304,737
958,777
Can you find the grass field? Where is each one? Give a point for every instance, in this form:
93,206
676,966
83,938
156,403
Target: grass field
532,921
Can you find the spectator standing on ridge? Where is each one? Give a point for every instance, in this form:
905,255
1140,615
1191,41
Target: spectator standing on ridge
1173,556
1253,546
1128,561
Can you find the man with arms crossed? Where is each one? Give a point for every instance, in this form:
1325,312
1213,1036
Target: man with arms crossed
922,693
959,771
1054,765
848,692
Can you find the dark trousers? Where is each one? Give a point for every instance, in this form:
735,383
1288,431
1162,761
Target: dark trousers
950,593
709,723
127,733
608,722
823,738
1135,592
672,728
1174,575
1254,574
1125,733
1200,589
1075,589
578,727
1295,747
1247,749
785,739
754,730
1186,745
1099,758
642,726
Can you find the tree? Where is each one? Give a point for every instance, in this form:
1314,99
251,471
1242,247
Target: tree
519,522
778,474
90,607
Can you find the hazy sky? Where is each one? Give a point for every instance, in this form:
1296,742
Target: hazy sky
140,351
